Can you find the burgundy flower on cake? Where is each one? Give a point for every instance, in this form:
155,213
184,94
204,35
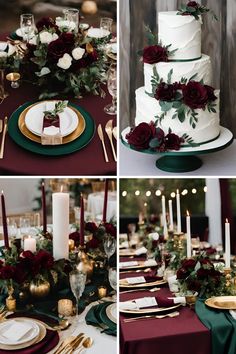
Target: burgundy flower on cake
210,93
165,92
173,141
154,54
140,136
195,95
192,4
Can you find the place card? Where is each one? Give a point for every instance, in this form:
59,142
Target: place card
128,264
136,280
146,302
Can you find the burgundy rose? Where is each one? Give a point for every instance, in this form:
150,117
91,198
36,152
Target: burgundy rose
7,272
75,236
203,273
210,93
140,136
45,259
207,262
182,273
193,4
91,227
194,285
92,57
57,49
189,264
195,95
110,229
46,22
68,39
210,251
20,274
165,92
154,54
173,141
27,255
94,243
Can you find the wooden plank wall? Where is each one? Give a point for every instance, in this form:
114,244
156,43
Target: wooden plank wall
218,41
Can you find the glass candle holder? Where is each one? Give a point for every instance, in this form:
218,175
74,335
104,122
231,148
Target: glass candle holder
71,16
65,307
102,292
14,79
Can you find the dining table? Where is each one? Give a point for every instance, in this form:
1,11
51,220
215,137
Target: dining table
87,161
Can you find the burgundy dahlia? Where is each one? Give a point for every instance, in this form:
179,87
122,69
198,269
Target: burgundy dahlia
195,95
154,54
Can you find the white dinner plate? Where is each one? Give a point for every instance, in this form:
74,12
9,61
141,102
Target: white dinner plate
98,33
111,312
34,119
32,333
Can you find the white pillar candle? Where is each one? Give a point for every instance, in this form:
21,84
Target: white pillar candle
163,202
227,244
60,220
30,244
171,222
188,228
178,212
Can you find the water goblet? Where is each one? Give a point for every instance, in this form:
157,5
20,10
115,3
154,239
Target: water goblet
24,225
106,25
27,26
112,89
77,284
109,244
71,17
112,275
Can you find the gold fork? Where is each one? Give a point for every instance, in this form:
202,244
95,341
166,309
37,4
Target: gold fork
3,138
108,130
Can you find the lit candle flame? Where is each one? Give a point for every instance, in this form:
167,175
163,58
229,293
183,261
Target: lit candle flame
187,212
227,221
2,192
61,188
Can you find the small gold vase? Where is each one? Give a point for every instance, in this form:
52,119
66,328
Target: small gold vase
10,300
84,264
39,288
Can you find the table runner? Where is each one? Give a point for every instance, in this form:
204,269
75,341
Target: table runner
222,327
183,334
88,161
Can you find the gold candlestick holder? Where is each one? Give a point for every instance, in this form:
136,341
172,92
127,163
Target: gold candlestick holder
3,93
10,300
228,276
84,264
14,79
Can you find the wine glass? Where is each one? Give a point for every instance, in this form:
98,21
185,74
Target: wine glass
71,16
106,25
112,89
24,225
109,244
77,284
112,275
27,26
12,228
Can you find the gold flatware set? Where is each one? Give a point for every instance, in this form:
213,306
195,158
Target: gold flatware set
72,343
133,319
111,132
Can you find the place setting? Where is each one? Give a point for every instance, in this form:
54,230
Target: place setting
64,62
58,279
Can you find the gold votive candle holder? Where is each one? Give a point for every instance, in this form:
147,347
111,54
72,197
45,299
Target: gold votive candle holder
102,291
11,303
71,245
13,78
65,307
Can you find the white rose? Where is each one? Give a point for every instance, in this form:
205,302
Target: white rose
46,37
33,40
65,61
78,53
3,54
11,49
154,236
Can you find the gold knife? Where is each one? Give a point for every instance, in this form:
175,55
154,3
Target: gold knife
3,138
100,134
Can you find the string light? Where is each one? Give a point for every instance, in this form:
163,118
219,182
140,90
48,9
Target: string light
137,193
145,204
194,191
124,194
205,189
158,193
148,193
185,191
172,195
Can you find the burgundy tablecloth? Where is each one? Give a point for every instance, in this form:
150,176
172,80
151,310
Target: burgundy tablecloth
88,161
184,334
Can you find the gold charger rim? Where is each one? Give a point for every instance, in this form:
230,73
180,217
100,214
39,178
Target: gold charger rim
109,313
41,336
211,302
139,266
150,310
65,140
142,285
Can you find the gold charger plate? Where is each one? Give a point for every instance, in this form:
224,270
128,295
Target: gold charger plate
41,335
110,314
124,284
222,302
139,266
127,253
150,310
65,140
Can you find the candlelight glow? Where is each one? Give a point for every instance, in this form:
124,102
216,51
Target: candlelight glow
61,188
227,221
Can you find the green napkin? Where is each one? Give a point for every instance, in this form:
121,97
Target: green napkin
97,316
222,327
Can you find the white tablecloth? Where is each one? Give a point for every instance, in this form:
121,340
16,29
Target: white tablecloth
220,163
95,204
102,343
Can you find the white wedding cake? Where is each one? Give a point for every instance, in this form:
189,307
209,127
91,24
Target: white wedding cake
193,108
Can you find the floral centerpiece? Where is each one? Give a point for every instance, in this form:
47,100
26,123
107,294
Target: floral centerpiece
62,61
200,275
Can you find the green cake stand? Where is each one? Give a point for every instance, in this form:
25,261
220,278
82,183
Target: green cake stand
185,159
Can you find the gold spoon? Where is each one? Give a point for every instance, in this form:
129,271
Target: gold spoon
87,343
